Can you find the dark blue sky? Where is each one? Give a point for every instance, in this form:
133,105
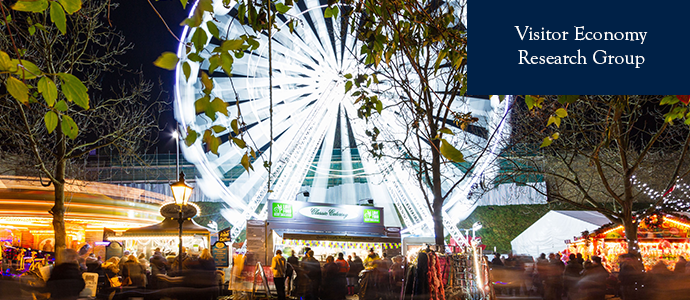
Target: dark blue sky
142,26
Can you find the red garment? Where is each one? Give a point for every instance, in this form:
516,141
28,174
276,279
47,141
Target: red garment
436,291
343,266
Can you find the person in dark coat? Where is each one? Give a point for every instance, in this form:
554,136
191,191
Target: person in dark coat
571,275
312,268
330,279
356,266
65,280
133,272
159,265
292,265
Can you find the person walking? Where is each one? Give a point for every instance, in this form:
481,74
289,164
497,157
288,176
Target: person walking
293,264
571,276
330,280
312,268
341,282
159,265
133,274
65,280
278,265
356,266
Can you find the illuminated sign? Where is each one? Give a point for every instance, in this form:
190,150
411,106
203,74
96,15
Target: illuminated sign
328,213
372,216
281,210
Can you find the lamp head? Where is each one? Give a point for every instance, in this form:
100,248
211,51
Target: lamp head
181,191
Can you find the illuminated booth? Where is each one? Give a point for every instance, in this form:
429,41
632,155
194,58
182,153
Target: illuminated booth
661,237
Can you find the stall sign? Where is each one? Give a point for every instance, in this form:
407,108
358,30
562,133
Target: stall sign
221,254
372,216
224,235
281,210
90,284
329,213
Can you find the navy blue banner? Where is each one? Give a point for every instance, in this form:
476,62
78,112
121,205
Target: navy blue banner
582,47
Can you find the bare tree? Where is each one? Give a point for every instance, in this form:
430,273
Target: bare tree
603,146
55,134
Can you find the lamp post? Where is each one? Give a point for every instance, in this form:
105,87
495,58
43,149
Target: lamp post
181,193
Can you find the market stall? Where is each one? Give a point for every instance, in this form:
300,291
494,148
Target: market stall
164,235
661,237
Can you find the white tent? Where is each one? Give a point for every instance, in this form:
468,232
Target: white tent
548,234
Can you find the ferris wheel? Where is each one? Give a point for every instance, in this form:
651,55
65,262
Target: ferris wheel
316,155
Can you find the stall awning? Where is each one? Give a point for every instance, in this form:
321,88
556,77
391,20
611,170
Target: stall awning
169,227
336,237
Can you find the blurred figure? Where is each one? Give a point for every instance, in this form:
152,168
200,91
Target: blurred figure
631,277
65,280
659,282
142,260
111,268
571,275
292,265
679,268
356,266
343,268
496,262
159,266
592,286
278,266
312,269
553,283
397,276
540,275
331,288
123,259
133,274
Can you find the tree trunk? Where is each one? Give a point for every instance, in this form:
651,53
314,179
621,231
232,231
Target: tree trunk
437,205
631,235
59,190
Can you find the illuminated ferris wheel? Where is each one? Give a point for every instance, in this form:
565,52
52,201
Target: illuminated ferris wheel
316,131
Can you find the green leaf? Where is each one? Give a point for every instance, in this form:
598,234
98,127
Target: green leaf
18,89
213,142
187,70
31,6
547,141
235,127
199,39
529,100
218,105
348,86
554,119
218,128
184,4
251,151
61,106
48,89
282,8
207,82
670,100
379,106
74,90
57,15
561,113
195,57
5,61
69,127
51,120
32,30
201,105
348,76
449,152
245,163
191,137
25,69
240,143
71,6
232,45
167,60
328,13
226,63
555,136
563,99
446,130
213,29
213,63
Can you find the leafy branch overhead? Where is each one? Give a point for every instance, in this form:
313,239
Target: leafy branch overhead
252,14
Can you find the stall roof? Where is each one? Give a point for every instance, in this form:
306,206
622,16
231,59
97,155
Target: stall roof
549,233
333,236
168,226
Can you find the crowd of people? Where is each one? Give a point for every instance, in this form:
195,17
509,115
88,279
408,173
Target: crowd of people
304,277
574,278
129,273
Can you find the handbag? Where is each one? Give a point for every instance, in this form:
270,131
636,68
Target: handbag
114,281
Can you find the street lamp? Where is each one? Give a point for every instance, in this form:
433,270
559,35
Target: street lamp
181,193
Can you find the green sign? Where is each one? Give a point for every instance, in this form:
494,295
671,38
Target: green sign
281,210
372,216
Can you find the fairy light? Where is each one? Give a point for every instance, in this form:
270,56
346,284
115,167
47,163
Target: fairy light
613,229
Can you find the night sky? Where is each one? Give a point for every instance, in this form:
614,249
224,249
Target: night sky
142,26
